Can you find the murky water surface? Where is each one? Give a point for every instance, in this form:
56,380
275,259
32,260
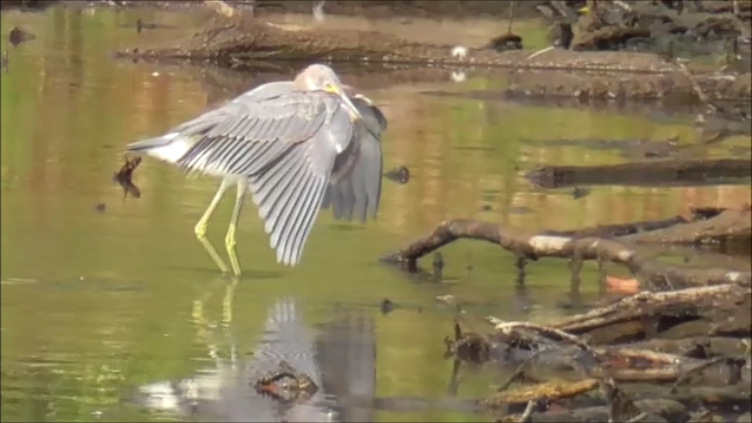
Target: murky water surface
103,294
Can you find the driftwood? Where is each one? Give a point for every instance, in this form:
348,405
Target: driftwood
604,243
627,363
725,307
635,383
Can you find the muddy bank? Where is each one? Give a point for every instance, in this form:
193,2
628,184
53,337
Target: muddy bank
248,43
376,9
248,40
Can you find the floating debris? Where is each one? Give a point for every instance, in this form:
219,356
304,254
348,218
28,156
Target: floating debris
17,36
287,385
508,41
399,175
124,177
387,306
579,192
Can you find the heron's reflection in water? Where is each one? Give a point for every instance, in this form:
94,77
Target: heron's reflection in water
340,360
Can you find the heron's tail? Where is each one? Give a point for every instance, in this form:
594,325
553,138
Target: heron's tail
170,147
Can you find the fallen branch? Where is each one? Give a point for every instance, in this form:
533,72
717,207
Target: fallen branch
621,364
547,390
724,307
530,247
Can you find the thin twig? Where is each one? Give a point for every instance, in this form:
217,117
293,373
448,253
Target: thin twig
508,327
695,370
525,417
511,17
518,372
638,418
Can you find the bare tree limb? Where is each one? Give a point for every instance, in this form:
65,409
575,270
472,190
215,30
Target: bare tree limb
656,275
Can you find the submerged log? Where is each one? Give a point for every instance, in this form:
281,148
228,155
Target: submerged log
669,172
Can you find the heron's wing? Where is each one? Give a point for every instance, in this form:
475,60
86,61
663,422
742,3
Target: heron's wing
246,137
358,191
289,191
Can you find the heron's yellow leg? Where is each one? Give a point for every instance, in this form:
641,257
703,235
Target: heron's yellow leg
230,238
200,228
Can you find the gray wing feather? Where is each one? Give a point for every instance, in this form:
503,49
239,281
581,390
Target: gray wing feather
271,89
230,136
289,192
359,192
366,176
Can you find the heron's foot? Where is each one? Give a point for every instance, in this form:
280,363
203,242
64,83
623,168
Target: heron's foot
232,253
201,236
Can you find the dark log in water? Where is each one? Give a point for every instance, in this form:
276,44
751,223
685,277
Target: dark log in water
645,173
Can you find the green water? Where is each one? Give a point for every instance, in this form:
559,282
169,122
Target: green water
96,304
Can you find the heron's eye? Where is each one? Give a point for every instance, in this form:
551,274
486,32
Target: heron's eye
328,86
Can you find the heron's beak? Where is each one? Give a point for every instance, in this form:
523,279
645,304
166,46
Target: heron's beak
364,98
354,113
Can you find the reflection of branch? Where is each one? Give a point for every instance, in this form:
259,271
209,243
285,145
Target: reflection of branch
710,106
519,371
693,81
528,412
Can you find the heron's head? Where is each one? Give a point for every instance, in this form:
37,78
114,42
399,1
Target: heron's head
322,77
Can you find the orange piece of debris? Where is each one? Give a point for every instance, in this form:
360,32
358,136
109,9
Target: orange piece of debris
622,286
